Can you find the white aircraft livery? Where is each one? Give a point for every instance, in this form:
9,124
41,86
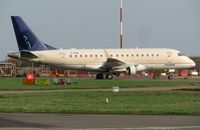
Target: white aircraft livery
106,62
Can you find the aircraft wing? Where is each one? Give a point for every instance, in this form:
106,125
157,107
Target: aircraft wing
113,64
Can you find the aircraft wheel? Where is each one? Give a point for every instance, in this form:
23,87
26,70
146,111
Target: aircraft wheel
99,76
170,77
109,76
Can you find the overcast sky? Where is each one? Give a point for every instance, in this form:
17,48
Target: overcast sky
95,23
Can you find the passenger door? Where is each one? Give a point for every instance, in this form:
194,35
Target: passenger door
62,58
169,57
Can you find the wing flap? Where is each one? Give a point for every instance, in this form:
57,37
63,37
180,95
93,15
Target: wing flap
113,64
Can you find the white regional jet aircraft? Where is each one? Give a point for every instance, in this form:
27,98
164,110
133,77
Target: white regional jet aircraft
106,62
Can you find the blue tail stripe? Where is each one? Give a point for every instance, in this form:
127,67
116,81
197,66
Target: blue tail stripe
26,39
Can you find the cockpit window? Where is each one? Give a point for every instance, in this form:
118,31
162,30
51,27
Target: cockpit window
181,54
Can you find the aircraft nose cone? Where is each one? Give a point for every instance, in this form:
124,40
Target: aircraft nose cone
193,64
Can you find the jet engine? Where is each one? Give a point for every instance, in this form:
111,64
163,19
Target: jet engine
140,68
131,70
134,68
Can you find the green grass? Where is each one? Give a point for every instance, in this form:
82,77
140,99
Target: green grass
16,84
94,103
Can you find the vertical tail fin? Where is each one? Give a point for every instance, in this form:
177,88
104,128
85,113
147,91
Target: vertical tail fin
26,39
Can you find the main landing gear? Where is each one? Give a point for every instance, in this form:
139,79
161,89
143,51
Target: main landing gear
108,76
99,76
170,77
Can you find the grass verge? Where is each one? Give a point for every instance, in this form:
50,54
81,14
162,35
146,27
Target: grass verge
16,84
152,103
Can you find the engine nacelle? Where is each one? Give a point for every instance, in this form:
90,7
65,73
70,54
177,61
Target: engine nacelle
131,70
134,68
140,68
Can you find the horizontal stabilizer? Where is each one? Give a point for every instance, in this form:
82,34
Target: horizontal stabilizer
27,54
15,55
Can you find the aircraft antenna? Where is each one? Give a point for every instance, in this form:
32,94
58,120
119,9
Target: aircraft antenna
121,25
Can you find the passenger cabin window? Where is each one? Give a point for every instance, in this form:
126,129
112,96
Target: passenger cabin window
180,54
